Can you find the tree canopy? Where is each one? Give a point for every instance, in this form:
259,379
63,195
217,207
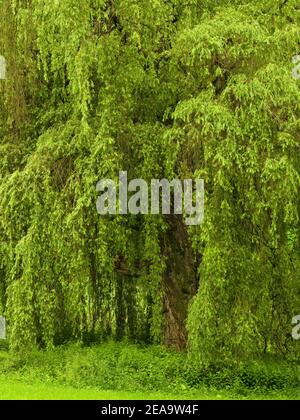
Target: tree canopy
162,89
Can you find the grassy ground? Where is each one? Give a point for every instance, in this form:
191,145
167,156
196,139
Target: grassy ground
13,389
127,372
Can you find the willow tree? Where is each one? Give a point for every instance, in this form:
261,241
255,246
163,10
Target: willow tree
161,89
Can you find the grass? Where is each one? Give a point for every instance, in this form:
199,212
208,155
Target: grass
127,372
16,390
13,389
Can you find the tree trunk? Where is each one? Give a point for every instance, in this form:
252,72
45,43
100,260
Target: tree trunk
180,282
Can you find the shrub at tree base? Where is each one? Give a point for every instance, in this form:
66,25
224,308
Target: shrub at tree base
125,367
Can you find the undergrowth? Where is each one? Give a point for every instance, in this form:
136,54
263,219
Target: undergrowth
128,367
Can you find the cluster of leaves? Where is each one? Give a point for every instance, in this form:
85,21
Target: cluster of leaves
160,89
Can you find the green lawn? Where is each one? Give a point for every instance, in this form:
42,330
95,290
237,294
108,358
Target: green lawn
14,389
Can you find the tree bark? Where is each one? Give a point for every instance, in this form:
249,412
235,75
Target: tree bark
180,282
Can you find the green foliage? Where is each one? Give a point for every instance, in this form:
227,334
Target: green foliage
161,89
243,128
258,377
125,367
109,366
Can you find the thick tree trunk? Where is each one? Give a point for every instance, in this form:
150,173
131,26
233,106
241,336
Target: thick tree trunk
180,282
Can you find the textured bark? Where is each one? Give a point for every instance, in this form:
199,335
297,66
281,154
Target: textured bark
180,282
